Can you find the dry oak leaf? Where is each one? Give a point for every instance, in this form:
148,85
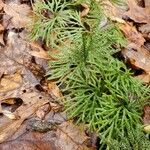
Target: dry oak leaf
139,58
19,14
31,105
137,13
8,106
71,137
31,141
132,34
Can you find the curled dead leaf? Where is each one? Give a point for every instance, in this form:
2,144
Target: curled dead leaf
54,90
42,111
138,57
132,34
137,13
8,106
38,51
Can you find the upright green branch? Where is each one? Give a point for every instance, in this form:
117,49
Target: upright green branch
98,89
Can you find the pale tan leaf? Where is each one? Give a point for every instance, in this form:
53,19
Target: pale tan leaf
132,34
138,57
137,13
145,78
147,3
71,137
55,91
38,51
19,13
42,111
9,114
10,82
6,130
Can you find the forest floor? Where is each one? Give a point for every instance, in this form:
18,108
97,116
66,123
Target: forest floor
30,118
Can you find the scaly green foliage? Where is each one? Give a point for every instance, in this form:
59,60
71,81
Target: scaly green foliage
136,141
98,89
54,22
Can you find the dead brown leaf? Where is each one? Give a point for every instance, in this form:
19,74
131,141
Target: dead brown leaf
19,80
38,51
10,82
145,30
54,90
42,111
113,12
132,34
28,145
138,56
72,137
31,104
145,77
139,59
32,141
19,14
146,116
137,13
8,106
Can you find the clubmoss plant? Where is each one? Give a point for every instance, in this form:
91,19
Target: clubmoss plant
55,21
98,89
136,141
